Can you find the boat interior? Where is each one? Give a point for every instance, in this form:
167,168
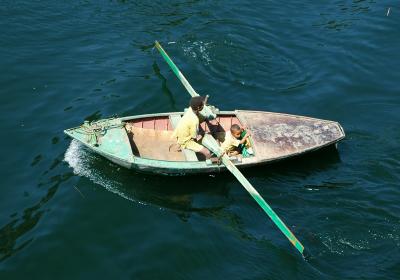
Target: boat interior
151,137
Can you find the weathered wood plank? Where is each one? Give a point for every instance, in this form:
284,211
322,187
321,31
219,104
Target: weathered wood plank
277,135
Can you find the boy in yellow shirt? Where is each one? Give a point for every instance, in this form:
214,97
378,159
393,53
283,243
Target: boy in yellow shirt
187,131
234,140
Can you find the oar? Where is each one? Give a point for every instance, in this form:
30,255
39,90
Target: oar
175,69
212,145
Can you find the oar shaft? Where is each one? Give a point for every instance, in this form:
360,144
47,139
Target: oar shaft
175,69
212,144
264,205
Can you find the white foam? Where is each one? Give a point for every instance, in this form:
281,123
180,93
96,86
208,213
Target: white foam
198,50
79,159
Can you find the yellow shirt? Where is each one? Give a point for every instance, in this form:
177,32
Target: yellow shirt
187,128
230,142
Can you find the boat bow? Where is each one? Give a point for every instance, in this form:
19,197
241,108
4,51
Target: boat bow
276,135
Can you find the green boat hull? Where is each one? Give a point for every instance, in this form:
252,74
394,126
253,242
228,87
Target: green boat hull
275,137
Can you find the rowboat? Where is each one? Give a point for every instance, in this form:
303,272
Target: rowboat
145,143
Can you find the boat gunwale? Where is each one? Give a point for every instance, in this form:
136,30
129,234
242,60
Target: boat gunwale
225,113
199,165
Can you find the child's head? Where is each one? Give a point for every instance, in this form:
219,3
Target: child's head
197,103
236,130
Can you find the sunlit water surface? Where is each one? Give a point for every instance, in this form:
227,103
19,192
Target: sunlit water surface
66,213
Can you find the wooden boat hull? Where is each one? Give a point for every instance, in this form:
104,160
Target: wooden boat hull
143,142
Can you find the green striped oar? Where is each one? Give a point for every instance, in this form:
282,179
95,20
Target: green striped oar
264,205
213,146
175,69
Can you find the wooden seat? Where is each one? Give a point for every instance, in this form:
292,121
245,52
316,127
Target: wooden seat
189,154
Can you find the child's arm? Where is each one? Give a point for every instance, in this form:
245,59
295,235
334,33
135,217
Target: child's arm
248,134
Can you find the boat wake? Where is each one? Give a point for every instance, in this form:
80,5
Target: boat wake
198,50
142,189
82,162
342,243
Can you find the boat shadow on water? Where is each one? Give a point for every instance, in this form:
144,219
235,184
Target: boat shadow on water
174,193
213,196
317,161
194,193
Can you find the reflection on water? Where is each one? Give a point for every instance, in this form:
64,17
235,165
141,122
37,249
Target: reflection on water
344,15
164,87
18,227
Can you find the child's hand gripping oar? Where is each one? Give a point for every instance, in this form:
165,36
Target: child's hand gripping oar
213,146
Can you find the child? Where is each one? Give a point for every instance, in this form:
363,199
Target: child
237,142
187,132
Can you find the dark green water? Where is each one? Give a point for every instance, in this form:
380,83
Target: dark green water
66,213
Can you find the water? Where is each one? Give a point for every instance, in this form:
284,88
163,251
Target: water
67,213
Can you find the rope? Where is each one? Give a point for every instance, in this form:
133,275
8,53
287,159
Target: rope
96,129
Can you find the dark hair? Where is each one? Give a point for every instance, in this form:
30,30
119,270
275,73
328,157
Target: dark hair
196,102
235,127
